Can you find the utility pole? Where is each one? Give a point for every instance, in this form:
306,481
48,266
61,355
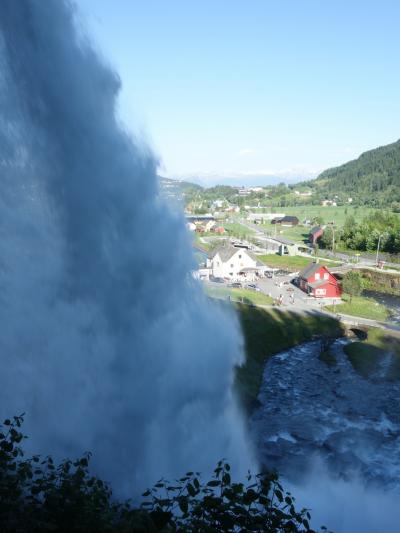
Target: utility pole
377,250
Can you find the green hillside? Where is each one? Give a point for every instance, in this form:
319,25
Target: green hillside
373,179
178,190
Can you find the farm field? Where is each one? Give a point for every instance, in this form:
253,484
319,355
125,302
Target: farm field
297,233
329,214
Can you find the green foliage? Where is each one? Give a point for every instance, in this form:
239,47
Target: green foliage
373,179
326,240
318,221
37,495
222,505
352,283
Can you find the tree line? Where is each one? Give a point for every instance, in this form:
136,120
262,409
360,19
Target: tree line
379,227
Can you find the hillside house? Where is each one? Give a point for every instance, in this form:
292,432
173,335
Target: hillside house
315,234
317,281
287,221
236,264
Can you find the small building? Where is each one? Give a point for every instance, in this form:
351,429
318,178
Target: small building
219,230
315,234
287,220
209,225
237,264
263,217
285,247
317,281
328,203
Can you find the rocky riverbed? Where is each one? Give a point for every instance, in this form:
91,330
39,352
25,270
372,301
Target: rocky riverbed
311,410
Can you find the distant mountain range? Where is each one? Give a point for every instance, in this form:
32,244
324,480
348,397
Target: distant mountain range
372,179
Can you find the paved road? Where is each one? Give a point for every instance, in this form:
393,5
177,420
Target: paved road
281,285
362,260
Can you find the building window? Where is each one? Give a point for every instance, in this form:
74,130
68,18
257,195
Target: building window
240,257
317,276
231,265
326,275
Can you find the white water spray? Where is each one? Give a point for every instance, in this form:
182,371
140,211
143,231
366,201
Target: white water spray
105,343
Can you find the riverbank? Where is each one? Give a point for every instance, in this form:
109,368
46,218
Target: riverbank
360,306
270,331
377,356
381,282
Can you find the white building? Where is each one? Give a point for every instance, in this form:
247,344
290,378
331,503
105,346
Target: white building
264,217
236,264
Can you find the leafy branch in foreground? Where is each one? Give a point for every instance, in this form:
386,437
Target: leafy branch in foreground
221,505
38,495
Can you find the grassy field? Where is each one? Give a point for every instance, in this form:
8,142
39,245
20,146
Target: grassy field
267,332
246,296
329,214
236,229
296,233
293,263
198,242
362,307
368,356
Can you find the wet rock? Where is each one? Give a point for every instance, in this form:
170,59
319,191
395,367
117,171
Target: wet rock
308,409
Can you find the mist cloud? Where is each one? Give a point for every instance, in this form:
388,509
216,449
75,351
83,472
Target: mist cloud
106,343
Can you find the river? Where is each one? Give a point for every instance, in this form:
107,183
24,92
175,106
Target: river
314,417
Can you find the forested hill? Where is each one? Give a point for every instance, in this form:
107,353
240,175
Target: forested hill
372,179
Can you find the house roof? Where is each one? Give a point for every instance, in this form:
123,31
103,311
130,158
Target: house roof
282,240
316,229
289,218
309,270
225,251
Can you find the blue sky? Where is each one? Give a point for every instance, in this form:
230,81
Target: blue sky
253,87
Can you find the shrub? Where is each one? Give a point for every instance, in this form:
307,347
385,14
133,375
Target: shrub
37,495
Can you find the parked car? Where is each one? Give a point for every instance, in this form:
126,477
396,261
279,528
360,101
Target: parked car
282,273
253,286
217,280
236,285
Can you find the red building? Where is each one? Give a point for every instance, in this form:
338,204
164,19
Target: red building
219,229
315,234
317,281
